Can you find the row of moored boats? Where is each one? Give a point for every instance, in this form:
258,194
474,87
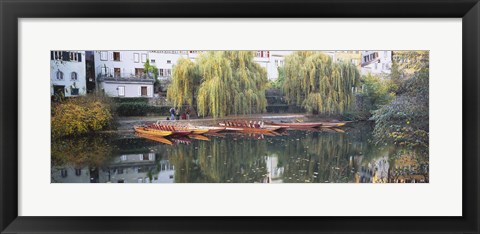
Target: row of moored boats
242,126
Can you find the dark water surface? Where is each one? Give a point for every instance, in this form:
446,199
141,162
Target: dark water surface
297,157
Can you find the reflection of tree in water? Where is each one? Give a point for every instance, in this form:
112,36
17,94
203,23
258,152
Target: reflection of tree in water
409,166
220,160
319,158
80,152
298,157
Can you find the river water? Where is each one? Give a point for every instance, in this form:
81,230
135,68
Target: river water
295,157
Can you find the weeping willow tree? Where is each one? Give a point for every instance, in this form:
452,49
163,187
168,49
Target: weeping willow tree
222,82
185,80
220,161
316,83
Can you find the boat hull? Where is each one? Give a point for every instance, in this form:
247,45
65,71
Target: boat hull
181,132
156,138
298,125
212,129
153,132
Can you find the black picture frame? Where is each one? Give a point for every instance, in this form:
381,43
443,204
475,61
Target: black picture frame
12,10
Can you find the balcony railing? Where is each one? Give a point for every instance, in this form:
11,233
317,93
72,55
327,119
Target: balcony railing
125,77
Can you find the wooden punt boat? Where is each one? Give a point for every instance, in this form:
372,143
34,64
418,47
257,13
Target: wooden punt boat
192,130
174,130
211,129
312,124
338,130
198,137
199,131
156,138
252,130
332,125
297,125
151,131
233,129
245,124
181,132
181,140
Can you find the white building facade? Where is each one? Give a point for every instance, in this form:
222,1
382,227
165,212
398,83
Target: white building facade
271,61
122,73
67,73
165,60
376,62
126,168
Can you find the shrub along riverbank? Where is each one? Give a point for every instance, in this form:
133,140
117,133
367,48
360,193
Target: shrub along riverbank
138,107
81,115
91,113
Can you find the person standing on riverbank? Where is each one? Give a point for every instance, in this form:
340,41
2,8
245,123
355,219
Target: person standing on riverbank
187,112
172,113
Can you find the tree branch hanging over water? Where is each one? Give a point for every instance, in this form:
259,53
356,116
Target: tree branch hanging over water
316,83
223,82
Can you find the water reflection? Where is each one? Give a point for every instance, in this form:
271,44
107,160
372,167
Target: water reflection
295,157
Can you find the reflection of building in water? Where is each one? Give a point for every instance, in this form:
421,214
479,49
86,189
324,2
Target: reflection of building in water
131,168
275,172
166,172
72,174
127,168
375,171
407,169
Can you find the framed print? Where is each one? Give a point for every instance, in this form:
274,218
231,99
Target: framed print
224,116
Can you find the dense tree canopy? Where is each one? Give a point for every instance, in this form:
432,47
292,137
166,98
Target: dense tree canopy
223,82
185,82
315,82
405,121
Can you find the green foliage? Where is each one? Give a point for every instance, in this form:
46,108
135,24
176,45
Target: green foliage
280,81
151,69
185,81
81,115
133,109
405,120
315,82
126,100
223,82
140,109
220,161
395,77
80,151
377,90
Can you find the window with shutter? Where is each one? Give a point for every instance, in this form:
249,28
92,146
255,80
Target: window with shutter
103,55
